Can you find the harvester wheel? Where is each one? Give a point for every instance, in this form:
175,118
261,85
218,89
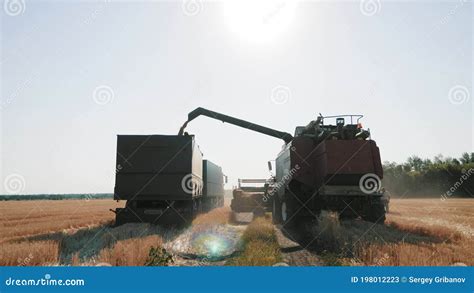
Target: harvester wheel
288,218
284,211
376,213
276,210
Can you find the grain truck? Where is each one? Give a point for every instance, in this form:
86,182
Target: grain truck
322,166
164,179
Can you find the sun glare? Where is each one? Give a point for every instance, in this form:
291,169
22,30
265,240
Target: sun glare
259,20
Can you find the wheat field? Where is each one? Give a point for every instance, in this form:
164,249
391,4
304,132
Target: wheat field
80,232
447,224
417,232
31,231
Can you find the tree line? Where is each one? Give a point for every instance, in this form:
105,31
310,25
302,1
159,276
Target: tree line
440,176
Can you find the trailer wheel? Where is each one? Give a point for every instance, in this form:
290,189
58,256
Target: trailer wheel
276,210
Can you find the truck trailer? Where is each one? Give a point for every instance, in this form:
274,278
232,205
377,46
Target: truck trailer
164,179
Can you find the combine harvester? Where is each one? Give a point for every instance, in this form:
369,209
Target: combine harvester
322,167
248,198
164,180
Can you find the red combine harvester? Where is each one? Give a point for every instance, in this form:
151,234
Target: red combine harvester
322,167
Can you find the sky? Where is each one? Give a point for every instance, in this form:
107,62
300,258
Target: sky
74,74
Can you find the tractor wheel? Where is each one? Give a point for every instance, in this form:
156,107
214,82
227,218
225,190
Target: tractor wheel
276,210
376,213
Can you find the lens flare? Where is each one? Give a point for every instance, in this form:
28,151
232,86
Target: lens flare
212,244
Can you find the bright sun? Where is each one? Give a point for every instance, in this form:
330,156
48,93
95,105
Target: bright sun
259,20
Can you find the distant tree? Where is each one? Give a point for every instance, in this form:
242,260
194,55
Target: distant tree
438,159
427,163
466,158
389,165
407,167
448,161
421,176
415,163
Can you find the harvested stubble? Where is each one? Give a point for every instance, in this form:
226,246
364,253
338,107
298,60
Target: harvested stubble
29,253
260,245
417,233
130,252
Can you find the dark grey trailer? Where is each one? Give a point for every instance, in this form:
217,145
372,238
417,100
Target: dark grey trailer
158,167
164,179
160,176
213,185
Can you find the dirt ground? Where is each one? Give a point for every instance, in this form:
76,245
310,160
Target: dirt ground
417,232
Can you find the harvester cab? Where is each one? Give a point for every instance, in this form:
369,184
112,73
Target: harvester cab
319,130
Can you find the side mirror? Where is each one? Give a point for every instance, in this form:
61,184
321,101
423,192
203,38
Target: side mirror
269,166
226,179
